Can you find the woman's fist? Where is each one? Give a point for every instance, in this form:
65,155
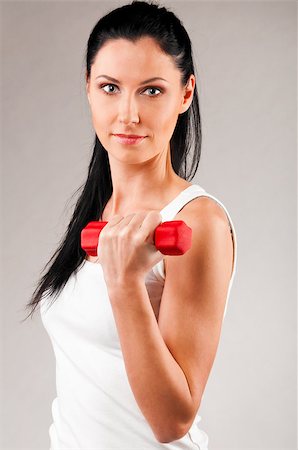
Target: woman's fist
126,249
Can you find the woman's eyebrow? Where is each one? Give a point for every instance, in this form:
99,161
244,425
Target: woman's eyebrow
143,82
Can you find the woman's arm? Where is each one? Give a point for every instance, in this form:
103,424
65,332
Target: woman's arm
168,362
156,379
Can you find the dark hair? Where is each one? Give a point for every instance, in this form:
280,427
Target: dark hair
131,21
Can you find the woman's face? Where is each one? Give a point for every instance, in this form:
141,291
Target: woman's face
130,106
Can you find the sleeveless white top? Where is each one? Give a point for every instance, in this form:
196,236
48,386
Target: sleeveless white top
95,408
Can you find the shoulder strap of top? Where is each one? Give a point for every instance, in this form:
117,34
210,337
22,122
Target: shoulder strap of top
172,208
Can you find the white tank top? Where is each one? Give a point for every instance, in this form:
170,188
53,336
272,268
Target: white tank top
95,408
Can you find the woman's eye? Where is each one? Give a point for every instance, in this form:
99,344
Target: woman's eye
109,92
105,85
153,89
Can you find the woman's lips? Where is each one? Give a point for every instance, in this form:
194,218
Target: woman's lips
128,140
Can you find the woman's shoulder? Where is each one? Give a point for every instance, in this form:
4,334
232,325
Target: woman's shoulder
210,227
204,207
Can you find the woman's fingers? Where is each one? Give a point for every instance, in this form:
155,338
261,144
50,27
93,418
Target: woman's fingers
149,224
143,222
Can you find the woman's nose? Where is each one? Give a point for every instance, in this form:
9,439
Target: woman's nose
128,109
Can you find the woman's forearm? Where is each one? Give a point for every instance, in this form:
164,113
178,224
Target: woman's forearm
156,379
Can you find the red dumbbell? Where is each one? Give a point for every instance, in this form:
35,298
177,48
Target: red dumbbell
170,238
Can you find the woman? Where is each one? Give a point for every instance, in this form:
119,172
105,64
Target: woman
134,331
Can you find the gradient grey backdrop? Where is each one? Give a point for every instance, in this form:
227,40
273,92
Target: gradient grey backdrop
246,56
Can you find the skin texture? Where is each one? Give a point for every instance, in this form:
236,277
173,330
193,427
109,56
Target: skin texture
167,359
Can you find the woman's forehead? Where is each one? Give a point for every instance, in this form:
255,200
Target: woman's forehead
143,56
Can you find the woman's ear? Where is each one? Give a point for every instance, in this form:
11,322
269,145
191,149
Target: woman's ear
188,94
88,88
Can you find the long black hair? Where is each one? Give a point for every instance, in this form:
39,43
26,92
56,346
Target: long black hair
131,21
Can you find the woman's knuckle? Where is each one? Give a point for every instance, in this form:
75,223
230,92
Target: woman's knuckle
122,233
137,237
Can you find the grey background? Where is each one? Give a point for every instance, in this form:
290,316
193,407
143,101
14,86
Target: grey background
246,58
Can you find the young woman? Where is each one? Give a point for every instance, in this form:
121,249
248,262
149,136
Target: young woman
134,331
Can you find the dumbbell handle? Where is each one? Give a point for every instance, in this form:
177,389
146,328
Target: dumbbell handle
170,238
